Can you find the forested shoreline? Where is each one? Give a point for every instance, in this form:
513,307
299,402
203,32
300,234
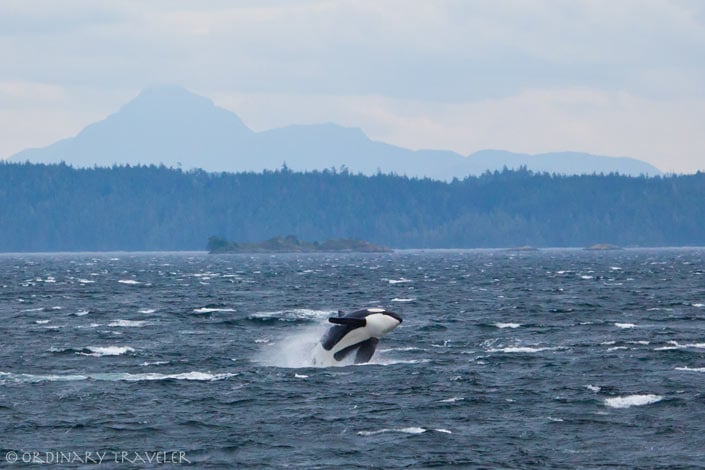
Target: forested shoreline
60,208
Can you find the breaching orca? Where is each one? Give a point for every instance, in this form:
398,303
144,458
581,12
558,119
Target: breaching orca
357,332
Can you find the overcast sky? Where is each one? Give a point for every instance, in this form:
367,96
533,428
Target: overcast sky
611,77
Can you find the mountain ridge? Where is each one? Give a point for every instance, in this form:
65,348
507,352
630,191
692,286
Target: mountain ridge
172,126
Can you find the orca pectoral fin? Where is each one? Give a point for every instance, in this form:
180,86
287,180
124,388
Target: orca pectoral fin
366,351
353,322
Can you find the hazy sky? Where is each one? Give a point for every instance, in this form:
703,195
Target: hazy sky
613,77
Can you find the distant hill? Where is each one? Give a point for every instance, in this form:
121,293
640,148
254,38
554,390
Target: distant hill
172,126
60,208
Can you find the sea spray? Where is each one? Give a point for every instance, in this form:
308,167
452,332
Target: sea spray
293,350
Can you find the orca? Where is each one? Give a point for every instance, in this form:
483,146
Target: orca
357,332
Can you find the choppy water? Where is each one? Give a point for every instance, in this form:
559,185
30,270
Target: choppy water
548,359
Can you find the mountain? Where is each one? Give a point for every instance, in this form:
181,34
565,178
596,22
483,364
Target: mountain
172,126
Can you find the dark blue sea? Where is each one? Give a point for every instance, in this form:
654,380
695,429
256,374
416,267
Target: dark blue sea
547,359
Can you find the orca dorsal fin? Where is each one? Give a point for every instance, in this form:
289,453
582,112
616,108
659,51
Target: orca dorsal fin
354,322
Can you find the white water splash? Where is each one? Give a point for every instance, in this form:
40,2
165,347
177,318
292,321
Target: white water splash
293,351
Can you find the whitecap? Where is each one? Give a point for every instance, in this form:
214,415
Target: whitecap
409,430
31,378
675,345
212,310
398,281
154,363
86,281
390,362
451,400
395,299
521,349
405,348
507,325
80,313
127,323
129,282
301,376
147,310
593,388
99,351
41,322
698,305
115,376
625,325
632,400
691,369
585,277
195,375
294,314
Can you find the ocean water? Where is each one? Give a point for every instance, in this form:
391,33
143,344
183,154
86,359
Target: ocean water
556,358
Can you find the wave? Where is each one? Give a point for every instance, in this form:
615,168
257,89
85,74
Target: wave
297,314
395,299
451,400
100,351
402,280
507,325
408,430
691,369
632,400
522,349
212,309
676,346
129,282
625,325
127,323
114,377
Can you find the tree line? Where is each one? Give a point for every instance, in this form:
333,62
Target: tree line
60,208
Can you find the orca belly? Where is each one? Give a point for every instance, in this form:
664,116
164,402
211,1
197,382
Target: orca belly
363,352
356,333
